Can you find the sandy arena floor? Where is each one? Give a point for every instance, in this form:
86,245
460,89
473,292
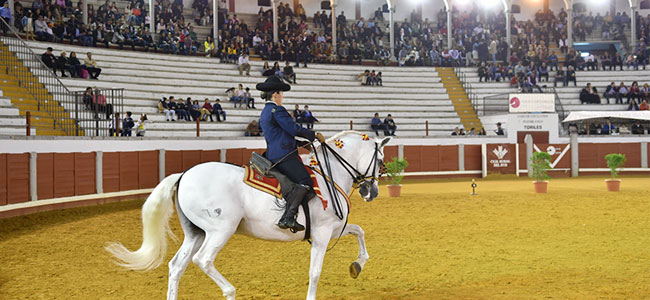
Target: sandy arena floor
436,242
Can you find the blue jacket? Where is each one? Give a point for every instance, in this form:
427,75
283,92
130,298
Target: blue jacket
280,131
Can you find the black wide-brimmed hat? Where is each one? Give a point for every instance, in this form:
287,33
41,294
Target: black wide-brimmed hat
273,84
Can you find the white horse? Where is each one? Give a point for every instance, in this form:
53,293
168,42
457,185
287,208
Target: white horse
213,203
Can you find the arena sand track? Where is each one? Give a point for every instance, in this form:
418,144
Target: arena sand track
436,242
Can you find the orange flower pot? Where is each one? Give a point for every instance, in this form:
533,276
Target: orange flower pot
613,185
394,190
540,186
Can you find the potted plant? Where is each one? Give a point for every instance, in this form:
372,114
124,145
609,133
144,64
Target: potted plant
614,161
395,170
540,161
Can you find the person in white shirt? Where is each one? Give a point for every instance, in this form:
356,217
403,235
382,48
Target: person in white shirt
244,65
256,40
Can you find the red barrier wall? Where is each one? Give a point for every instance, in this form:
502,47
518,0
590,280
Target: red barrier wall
3,179
17,183
45,175
147,169
473,158
593,155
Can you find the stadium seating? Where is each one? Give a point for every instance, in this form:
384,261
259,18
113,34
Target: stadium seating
412,95
11,123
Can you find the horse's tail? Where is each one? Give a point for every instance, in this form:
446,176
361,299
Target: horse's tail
156,212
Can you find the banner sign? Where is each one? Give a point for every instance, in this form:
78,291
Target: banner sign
523,103
501,158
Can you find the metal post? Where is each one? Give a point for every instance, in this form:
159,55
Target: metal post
275,21
152,20
223,155
633,28
575,159
508,33
400,151
33,184
569,40
461,157
215,22
85,12
161,164
28,115
117,124
198,127
11,9
99,171
351,124
333,6
426,126
644,154
449,29
529,153
391,9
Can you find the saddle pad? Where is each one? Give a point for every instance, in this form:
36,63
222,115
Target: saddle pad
271,186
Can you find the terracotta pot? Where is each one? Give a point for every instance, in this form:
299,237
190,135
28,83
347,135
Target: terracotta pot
540,186
394,190
613,185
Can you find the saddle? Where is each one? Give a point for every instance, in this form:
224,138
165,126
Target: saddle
261,176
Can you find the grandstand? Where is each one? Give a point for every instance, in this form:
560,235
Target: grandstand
413,96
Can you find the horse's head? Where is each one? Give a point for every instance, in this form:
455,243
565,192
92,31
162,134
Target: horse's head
371,161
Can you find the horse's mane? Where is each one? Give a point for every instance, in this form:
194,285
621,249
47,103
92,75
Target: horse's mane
342,134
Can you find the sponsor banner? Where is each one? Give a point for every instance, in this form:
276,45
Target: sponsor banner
523,103
501,158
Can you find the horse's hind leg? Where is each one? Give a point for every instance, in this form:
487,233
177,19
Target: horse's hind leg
357,266
204,259
194,237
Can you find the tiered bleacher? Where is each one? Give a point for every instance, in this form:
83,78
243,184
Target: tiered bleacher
333,93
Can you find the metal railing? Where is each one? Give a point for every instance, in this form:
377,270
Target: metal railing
469,90
65,110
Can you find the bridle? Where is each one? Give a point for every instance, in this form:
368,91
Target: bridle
359,178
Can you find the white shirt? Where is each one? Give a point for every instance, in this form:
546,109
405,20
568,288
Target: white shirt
243,60
256,40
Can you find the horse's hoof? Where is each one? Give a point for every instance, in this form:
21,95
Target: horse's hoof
355,269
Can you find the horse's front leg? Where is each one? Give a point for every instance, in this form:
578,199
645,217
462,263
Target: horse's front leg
357,266
318,249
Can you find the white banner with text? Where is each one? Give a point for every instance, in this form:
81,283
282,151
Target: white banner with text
522,103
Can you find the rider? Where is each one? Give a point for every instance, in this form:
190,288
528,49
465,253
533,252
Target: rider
280,131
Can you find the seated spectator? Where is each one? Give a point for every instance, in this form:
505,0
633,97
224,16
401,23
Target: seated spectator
634,92
499,130
630,61
608,128
589,94
623,129
237,96
612,91
559,77
140,128
61,63
640,59
376,124
100,104
49,60
42,30
73,65
543,72
253,129
633,106
644,105
383,57
308,118
637,128
181,110
623,92
91,66
482,73
297,114
127,124
267,70
250,101
218,111
244,65
363,77
378,79
456,132
645,92
570,76
288,73
170,113
389,126
195,108
206,110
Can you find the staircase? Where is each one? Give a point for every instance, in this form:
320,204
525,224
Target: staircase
460,99
26,93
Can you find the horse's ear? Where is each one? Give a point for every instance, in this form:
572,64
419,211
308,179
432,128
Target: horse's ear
384,142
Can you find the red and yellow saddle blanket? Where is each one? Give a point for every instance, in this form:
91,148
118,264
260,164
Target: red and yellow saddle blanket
271,186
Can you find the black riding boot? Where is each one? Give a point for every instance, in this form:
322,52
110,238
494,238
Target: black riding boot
294,200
